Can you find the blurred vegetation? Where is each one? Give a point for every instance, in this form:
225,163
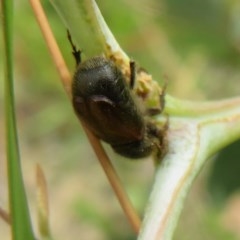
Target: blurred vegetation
195,45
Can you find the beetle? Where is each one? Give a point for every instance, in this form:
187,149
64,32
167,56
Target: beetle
103,100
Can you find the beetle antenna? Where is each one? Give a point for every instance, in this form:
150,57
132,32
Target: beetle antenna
76,53
132,73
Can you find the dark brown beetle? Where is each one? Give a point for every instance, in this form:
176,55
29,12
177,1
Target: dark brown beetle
103,101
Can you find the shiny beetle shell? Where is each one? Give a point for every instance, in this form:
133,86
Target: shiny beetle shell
102,100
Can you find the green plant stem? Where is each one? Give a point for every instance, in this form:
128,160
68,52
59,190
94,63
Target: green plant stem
191,142
20,220
73,11
185,108
85,22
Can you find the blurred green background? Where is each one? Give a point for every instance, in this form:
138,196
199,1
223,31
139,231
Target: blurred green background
195,45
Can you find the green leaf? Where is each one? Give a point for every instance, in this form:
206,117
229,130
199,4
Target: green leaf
20,219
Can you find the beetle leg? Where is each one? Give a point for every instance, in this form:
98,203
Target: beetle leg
132,66
158,134
163,140
76,53
153,111
162,96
